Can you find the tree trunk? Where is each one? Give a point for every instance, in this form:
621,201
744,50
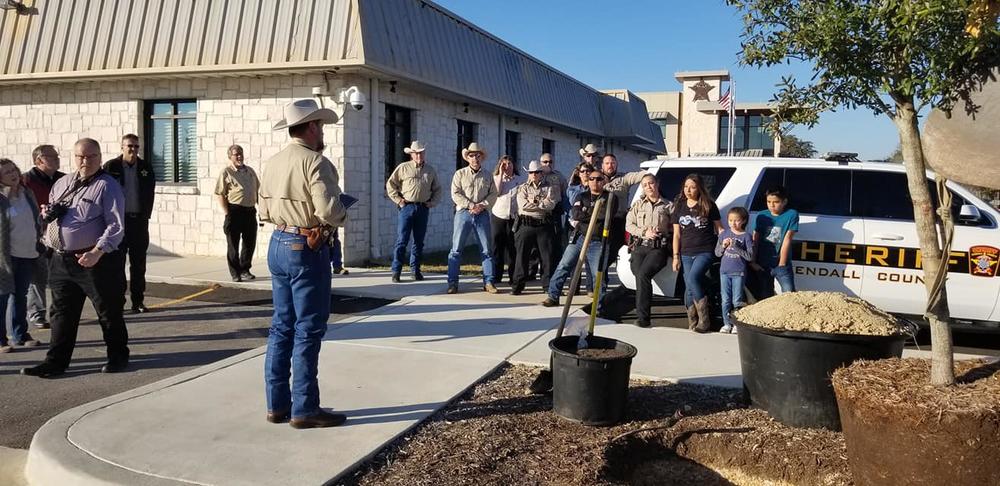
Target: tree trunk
942,358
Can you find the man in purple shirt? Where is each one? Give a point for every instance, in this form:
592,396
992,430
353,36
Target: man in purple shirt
86,211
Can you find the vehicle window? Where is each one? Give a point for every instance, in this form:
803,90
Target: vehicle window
714,178
882,195
819,191
771,178
886,195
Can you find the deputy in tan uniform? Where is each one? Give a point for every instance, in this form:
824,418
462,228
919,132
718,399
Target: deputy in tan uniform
474,193
619,186
236,190
414,187
648,222
535,201
300,195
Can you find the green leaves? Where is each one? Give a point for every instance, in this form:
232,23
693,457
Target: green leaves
878,54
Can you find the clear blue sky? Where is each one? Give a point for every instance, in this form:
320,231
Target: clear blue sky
640,44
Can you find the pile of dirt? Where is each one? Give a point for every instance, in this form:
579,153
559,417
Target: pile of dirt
899,382
495,434
826,312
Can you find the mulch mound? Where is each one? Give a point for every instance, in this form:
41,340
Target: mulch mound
495,434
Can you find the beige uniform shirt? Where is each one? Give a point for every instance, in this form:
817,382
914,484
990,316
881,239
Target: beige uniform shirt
239,186
619,185
470,187
414,184
300,187
557,180
645,214
537,200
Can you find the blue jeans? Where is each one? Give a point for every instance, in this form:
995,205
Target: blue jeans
336,252
412,220
732,294
465,222
23,270
300,284
568,263
784,275
695,279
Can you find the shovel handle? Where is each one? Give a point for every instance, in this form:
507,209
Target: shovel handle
579,267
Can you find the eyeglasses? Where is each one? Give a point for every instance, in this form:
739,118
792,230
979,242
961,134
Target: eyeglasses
86,156
596,179
475,154
534,172
546,161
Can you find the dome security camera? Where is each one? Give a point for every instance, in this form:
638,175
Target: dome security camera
354,97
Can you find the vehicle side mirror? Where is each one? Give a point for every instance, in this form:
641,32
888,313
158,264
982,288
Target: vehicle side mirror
969,214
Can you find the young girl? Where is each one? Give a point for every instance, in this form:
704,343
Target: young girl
735,247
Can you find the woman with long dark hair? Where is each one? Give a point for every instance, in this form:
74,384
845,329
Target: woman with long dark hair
697,223
502,217
20,229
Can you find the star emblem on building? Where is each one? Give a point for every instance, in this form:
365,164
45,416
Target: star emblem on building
701,90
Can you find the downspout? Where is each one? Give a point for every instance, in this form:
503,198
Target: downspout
376,169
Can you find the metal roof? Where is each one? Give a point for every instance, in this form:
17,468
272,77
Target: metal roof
415,40
424,42
67,39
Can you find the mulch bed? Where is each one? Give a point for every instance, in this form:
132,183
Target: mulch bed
495,434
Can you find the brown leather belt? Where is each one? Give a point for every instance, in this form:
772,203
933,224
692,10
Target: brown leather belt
315,236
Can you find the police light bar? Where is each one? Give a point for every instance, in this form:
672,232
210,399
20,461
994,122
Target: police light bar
841,157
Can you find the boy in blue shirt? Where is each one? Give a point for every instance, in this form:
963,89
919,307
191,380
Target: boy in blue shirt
735,247
773,231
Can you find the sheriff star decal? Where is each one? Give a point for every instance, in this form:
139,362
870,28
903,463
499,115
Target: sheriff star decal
983,260
701,90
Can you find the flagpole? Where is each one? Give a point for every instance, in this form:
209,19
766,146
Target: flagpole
732,113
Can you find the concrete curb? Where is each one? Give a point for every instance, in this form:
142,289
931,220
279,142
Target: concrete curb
54,459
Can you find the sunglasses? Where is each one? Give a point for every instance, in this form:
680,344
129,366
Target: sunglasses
596,179
546,161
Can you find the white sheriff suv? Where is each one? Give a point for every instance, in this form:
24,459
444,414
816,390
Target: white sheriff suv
856,230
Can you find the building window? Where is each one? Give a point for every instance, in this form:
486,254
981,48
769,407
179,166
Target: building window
397,136
466,135
662,123
549,147
510,144
749,132
172,140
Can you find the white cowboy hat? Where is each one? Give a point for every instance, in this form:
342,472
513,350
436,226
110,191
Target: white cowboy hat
589,149
534,166
473,148
304,111
415,146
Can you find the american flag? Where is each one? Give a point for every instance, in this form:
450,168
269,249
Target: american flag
726,101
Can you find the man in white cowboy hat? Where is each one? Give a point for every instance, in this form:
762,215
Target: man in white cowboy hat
590,155
535,201
474,193
300,195
618,185
414,187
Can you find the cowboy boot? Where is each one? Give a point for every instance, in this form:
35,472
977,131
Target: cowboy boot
692,313
704,321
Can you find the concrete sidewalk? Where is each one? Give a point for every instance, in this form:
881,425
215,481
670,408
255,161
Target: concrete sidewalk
387,370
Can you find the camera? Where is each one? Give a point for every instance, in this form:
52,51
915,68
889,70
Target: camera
54,212
354,97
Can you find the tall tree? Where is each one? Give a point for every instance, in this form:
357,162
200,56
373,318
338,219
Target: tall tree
792,146
896,58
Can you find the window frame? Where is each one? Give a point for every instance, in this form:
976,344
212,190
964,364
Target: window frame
148,118
509,137
744,130
466,133
392,157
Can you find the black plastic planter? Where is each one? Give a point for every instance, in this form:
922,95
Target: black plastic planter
787,373
593,391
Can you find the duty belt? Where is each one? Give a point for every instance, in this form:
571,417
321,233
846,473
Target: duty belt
530,221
